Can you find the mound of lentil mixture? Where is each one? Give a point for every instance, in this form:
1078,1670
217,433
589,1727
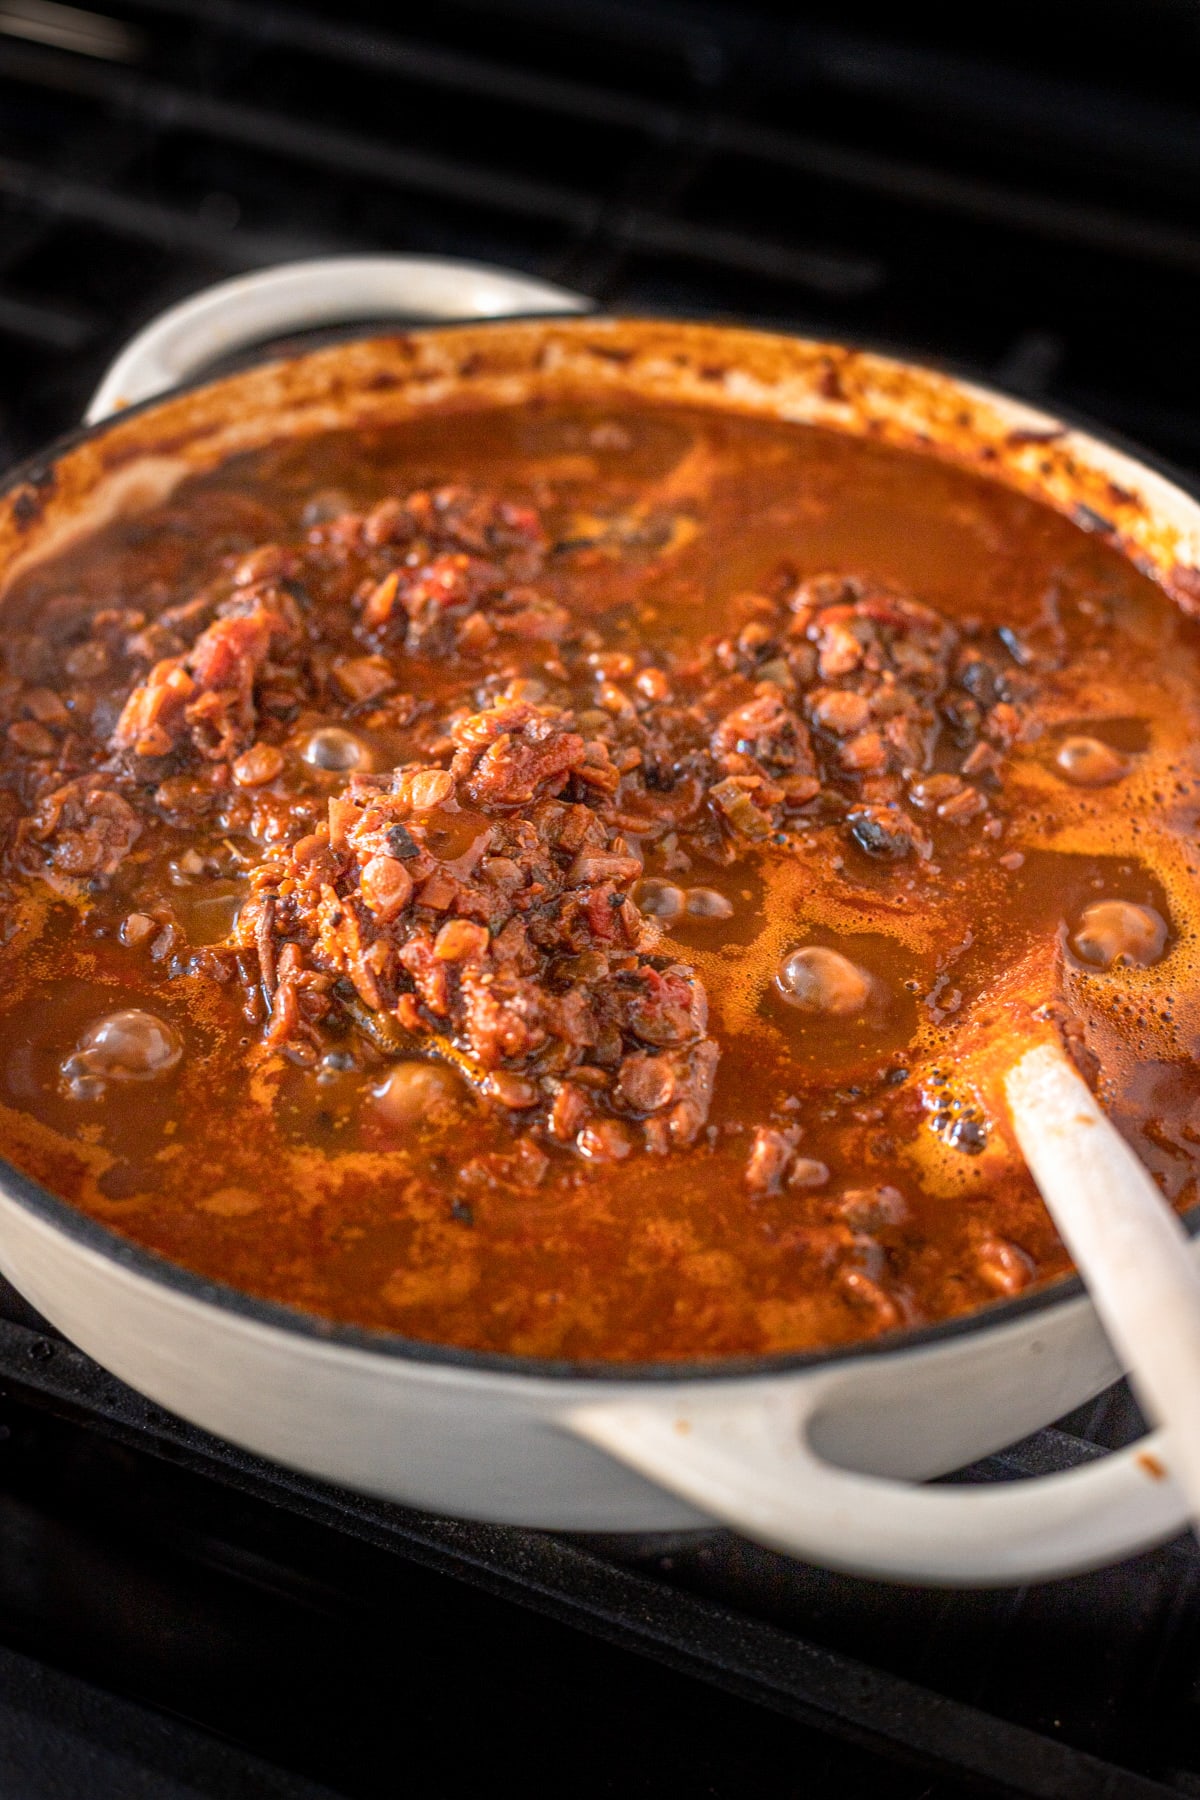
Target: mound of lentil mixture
562,883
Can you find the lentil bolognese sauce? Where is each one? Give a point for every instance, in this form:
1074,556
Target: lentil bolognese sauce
551,881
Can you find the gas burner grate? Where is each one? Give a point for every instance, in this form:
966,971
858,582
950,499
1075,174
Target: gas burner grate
923,193
906,1691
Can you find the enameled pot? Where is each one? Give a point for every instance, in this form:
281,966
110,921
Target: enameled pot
820,1455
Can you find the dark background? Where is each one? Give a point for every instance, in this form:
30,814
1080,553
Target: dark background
1011,189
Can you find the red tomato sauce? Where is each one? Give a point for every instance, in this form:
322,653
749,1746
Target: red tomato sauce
566,882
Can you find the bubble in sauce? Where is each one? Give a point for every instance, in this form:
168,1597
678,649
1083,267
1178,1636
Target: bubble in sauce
660,899
335,750
131,1045
334,1065
816,979
1117,933
1088,762
707,903
807,1172
411,1091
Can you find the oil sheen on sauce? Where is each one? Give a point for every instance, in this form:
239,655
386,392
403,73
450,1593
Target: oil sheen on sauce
1016,852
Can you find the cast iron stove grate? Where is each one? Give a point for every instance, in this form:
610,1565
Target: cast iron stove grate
178,1618
1028,214
313,1629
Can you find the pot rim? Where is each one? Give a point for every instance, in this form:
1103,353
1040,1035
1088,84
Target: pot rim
109,1244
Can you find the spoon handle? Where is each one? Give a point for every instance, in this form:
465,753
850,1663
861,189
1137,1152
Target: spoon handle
1128,1245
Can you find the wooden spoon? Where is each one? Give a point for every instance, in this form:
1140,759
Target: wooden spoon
1126,1242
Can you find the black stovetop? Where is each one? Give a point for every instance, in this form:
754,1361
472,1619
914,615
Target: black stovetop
1014,193
335,1639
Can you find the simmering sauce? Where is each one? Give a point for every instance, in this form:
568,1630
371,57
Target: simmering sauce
565,882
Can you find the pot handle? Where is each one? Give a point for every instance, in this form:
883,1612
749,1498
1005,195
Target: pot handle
750,1463
335,290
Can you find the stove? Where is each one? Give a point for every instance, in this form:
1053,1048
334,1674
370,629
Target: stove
178,1619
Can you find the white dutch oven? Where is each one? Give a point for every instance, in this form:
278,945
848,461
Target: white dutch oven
820,1455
